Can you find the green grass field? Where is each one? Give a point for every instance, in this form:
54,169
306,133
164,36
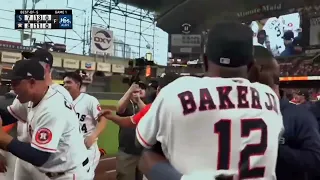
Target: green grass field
108,140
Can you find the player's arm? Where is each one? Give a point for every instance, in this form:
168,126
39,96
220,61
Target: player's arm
306,157
43,142
6,117
121,121
15,111
128,121
152,126
102,121
24,150
157,167
125,100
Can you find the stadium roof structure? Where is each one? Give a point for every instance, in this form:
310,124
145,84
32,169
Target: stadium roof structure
202,14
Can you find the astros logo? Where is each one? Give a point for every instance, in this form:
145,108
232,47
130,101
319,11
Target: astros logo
43,136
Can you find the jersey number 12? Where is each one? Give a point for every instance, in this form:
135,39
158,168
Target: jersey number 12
223,129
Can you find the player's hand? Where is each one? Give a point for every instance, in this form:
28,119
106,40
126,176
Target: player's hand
3,164
134,88
135,97
107,113
88,141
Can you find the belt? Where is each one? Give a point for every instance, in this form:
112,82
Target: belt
56,174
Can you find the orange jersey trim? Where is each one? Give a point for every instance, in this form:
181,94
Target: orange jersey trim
137,117
8,128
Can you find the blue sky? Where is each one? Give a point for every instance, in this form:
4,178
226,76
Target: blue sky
74,45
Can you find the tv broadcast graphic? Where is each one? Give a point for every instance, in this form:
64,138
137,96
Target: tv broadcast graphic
282,35
43,19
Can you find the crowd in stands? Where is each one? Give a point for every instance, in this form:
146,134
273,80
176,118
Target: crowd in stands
300,66
313,94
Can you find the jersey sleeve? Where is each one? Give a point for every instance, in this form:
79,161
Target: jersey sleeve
137,117
151,127
48,132
95,108
18,110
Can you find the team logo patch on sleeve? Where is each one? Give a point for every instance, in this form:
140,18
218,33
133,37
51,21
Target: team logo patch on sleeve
43,136
99,107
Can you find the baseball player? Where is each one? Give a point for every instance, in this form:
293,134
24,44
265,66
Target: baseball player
274,29
132,121
56,145
218,123
87,108
19,111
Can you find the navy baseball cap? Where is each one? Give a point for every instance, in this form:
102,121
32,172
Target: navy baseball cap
41,55
288,35
142,85
230,44
27,69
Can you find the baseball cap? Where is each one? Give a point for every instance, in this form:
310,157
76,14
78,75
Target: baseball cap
153,84
142,85
230,44
41,55
27,69
288,35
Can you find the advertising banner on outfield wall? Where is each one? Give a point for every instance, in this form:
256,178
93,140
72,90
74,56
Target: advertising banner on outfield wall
104,67
57,62
117,68
102,41
71,63
10,57
87,65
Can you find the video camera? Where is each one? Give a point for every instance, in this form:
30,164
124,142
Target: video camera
137,66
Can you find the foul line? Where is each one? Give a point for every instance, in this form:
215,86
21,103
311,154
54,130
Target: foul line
109,158
111,171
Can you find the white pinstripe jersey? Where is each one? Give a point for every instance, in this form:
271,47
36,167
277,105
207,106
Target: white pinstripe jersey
216,124
20,112
87,108
53,127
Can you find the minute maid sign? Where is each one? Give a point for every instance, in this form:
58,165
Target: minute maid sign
262,9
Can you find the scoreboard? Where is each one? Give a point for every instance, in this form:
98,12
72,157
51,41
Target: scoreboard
43,19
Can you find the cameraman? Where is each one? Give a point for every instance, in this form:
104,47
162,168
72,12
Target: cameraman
129,155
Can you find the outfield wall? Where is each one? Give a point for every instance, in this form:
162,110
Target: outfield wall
106,95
